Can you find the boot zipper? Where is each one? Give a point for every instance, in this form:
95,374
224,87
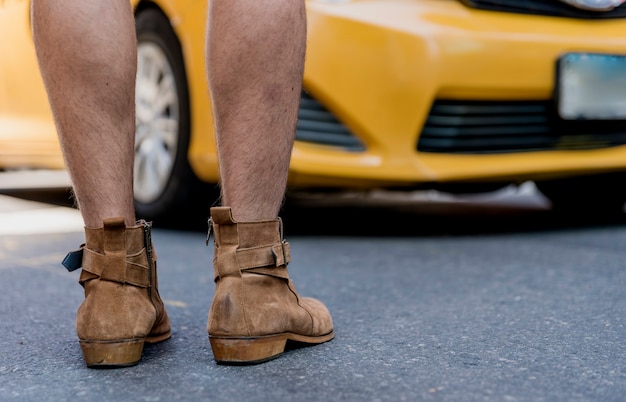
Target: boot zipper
148,240
208,236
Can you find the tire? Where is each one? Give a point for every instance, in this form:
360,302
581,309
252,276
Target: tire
591,196
165,187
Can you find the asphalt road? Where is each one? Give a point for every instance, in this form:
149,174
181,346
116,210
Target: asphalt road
435,299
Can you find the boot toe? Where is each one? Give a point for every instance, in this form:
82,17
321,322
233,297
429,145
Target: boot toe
322,320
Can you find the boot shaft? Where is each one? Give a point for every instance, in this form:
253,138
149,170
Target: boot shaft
247,246
120,254
115,236
229,232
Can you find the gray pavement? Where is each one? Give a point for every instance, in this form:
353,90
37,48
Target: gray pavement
480,302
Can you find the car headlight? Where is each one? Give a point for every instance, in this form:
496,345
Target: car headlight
595,5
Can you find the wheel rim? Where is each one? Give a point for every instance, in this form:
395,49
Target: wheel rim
157,122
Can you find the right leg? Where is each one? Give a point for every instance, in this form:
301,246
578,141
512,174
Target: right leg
87,56
255,64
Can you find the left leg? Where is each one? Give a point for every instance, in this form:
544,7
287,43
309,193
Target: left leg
87,56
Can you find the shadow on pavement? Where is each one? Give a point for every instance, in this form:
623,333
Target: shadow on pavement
432,219
58,197
359,217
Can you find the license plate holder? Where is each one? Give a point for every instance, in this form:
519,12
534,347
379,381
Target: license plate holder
591,86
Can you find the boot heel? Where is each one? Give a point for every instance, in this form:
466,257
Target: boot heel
112,353
247,350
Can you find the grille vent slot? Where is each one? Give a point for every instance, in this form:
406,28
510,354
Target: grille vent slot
319,126
511,126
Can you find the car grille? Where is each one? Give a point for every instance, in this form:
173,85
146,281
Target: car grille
512,126
544,7
317,125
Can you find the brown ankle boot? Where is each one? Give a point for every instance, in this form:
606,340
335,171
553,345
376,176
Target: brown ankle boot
256,309
122,307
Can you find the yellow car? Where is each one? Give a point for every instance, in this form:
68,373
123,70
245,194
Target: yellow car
457,95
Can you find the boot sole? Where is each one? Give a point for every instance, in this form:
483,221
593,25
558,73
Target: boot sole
254,350
111,354
117,353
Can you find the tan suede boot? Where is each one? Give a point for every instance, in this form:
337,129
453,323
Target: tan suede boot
256,309
122,307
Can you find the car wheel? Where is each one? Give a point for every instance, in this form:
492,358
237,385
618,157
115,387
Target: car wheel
595,195
163,180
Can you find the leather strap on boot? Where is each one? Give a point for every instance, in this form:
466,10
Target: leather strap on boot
269,259
112,265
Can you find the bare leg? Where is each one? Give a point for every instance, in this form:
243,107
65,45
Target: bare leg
88,58
255,52
87,54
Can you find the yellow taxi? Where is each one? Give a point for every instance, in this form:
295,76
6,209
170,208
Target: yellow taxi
457,95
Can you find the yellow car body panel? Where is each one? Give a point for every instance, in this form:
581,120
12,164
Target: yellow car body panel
27,133
202,147
377,66
28,136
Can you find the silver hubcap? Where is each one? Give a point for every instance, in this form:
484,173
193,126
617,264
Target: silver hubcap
157,117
